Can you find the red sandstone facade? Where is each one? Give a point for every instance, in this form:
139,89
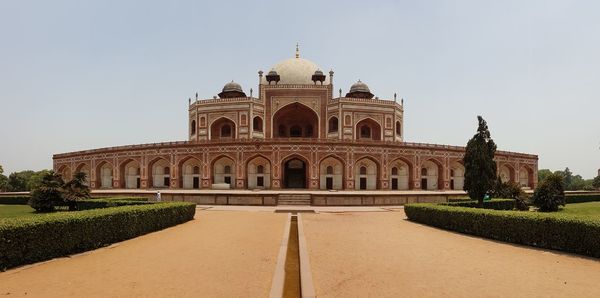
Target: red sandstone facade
295,134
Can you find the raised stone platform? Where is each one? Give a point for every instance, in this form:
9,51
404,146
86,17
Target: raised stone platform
289,197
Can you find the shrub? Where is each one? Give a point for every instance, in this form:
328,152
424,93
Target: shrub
496,204
581,198
511,190
550,194
14,200
75,190
48,194
37,238
546,230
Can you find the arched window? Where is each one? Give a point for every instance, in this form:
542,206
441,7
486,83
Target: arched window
365,132
347,120
260,169
309,131
424,172
398,128
167,170
282,130
363,170
257,124
196,170
227,170
329,170
193,126
225,131
394,171
333,124
452,172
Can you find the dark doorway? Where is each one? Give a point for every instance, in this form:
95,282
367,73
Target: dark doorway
138,182
394,183
166,181
329,182
294,174
260,181
424,183
452,184
227,180
196,182
363,183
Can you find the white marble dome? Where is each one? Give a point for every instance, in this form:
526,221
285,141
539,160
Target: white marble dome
296,71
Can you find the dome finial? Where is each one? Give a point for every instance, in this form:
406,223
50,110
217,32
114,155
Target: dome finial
297,51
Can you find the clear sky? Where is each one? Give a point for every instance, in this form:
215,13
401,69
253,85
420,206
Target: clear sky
78,75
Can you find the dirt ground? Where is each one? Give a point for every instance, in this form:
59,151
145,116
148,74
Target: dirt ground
379,254
218,254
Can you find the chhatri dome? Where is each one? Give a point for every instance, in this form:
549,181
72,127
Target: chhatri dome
359,90
232,89
296,71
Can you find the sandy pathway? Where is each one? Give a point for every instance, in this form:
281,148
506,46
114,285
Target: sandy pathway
380,254
219,254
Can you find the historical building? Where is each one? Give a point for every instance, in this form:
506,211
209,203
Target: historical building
297,132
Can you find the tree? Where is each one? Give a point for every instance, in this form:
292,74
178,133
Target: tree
568,178
36,178
48,194
480,167
550,194
17,181
24,180
596,182
543,173
3,180
577,183
76,190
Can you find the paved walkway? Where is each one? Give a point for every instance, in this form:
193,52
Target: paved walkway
383,255
219,254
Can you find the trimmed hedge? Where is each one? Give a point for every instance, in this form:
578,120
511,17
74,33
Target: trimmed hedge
27,240
581,198
545,230
461,199
496,204
102,203
14,200
121,198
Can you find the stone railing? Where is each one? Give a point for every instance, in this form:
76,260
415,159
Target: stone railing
295,86
365,100
316,141
223,100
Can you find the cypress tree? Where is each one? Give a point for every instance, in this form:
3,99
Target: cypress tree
480,167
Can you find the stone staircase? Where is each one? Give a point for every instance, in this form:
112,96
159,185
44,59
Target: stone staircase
294,199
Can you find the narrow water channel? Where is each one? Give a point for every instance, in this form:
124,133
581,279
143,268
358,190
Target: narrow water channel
291,286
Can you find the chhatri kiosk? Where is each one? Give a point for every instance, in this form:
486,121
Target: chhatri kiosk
294,131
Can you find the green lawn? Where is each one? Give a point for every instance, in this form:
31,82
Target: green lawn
8,211
590,209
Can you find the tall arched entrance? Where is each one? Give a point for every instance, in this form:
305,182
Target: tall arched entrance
295,121
294,173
